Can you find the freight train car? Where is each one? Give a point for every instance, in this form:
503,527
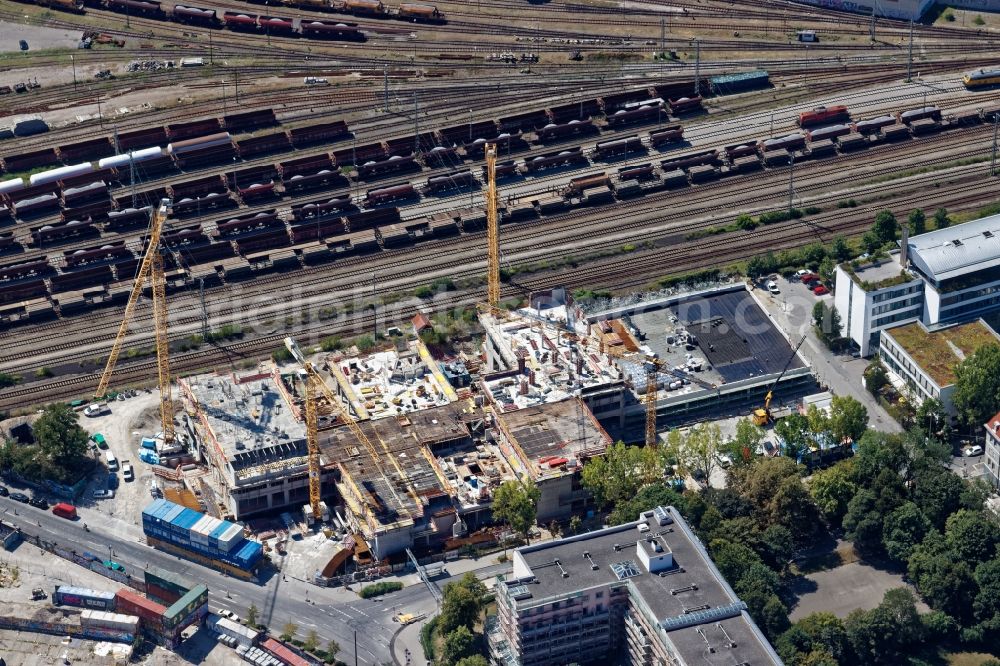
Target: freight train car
195,16
72,6
389,194
348,32
147,8
418,13
451,181
824,115
239,22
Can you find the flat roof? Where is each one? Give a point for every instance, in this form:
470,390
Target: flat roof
398,442
690,585
953,251
552,431
248,418
937,352
731,333
884,270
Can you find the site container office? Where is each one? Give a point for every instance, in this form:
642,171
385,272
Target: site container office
83,597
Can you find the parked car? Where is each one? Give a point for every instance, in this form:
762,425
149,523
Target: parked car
114,566
802,271
808,277
820,290
772,287
228,614
104,494
65,510
97,409
974,450
23,44
4,492
127,472
19,497
100,441
38,503
112,481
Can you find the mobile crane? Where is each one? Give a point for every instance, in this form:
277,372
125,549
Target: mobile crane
762,416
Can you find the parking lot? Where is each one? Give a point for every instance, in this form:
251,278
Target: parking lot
129,421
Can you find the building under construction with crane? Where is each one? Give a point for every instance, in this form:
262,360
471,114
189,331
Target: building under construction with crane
692,356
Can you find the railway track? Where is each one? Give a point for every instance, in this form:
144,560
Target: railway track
766,187
638,269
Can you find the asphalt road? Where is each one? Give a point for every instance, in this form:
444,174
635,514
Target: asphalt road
333,613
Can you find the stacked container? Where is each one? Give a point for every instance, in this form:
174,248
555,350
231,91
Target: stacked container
199,533
85,598
132,603
95,619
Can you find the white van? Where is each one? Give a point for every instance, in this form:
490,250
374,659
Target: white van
315,81
109,457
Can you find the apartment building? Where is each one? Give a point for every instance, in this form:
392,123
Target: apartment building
645,592
992,451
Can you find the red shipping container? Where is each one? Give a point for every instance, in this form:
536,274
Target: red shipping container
284,653
160,593
131,603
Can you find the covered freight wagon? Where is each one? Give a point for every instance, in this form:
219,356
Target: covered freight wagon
728,84
188,145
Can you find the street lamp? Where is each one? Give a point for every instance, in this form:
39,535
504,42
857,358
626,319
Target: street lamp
72,59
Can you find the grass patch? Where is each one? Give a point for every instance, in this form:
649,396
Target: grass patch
930,168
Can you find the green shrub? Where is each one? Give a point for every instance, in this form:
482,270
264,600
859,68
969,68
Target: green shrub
281,355
378,589
330,344
979,20
427,633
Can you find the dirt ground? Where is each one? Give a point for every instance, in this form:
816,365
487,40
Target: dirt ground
130,420
38,37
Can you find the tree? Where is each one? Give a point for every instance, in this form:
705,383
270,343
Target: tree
917,221
794,432
744,444
884,634
826,269
832,490
311,642
575,523
827,322
458,644
903,530
252,613
59,434
977,385
933,418
814,635
759,265
973,535
876,377
885,226
848,418
941,219
621,472
288,631
863,522
649,497
987,602
473,660
878,451
332,648
461,604
840,250
696,450
516,503
937,492
871,242
819,422
773,486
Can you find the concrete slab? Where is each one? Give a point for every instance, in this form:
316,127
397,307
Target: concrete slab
845,588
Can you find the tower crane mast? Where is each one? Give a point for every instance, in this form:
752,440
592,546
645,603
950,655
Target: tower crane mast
150,267
492,231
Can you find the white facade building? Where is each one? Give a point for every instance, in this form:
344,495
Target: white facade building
991,448
875,297
924,360
944,276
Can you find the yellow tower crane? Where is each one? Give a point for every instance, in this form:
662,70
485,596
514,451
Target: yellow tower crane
315,385
492,231
151,267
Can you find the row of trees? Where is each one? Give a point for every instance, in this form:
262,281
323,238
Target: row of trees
886,227
460,641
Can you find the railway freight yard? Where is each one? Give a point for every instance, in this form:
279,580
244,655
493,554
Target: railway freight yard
306,291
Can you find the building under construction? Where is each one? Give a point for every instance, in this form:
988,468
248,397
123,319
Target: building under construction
716,353
249,431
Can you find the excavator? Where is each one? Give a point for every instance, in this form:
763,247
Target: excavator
762,416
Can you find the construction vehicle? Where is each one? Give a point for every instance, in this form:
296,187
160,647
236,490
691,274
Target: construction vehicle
762,415
654,366
151,267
